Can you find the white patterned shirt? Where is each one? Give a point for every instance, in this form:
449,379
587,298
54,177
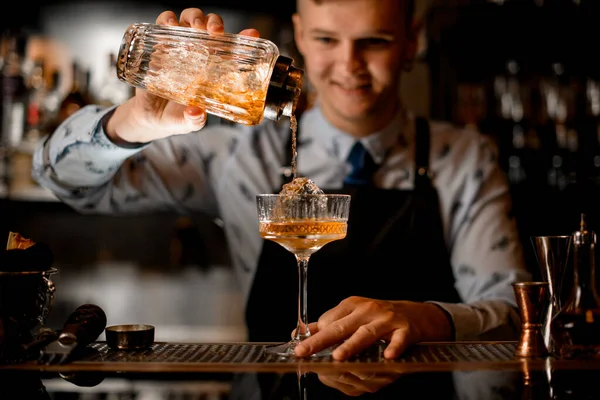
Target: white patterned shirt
220,169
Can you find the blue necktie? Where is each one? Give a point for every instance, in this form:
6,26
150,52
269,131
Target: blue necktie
362,164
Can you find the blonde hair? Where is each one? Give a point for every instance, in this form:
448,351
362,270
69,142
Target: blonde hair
409,10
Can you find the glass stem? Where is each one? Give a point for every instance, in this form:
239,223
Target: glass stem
302,331
302,377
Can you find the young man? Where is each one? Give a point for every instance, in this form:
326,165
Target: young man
432,248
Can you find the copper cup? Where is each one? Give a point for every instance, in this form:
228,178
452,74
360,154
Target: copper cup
532,299
129,337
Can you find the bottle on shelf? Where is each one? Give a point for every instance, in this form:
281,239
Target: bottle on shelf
79,95
22,153
589,127
14,89
37,91
112,90
576,327
518,137
51,103
559,96
14,100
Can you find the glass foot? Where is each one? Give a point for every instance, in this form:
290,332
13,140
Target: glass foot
287,350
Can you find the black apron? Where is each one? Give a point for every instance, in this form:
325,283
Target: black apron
394,250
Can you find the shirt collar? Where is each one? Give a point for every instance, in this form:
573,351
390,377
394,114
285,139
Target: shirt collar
314,126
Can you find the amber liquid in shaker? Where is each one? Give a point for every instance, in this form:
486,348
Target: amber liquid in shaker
235,77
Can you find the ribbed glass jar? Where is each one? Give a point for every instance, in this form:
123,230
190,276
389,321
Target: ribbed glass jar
231,76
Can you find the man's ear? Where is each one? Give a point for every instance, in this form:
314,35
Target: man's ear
298,33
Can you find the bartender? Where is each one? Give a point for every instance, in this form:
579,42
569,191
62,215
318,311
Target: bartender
432,248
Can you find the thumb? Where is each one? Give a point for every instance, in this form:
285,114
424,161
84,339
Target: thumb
250,32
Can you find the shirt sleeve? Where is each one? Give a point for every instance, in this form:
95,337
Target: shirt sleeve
486,251
87,171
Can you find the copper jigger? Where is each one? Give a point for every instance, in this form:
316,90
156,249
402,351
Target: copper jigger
532,299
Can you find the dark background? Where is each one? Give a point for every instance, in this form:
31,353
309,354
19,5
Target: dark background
468,44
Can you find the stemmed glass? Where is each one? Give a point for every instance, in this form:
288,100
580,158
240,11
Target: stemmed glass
302,224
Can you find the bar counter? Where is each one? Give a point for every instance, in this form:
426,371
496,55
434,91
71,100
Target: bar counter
452,370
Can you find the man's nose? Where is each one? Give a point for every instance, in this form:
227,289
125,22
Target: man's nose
351,58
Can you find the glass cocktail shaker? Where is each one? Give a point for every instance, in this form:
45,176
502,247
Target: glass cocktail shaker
239,78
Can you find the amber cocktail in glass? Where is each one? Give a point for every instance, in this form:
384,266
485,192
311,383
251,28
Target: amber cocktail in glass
302,224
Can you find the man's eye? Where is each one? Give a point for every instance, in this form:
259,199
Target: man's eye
324,40
376,42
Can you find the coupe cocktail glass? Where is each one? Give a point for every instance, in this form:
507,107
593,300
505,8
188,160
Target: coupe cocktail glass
302,224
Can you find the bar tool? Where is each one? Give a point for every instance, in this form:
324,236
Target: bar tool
576,327
43,338
552,253
129,337
532,300
83,326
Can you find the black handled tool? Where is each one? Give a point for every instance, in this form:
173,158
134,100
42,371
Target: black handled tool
83,326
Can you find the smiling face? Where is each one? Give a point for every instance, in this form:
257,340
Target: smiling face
354,52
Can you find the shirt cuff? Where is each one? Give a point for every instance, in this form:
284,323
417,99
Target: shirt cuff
464,321
123,144
483,320
448,316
